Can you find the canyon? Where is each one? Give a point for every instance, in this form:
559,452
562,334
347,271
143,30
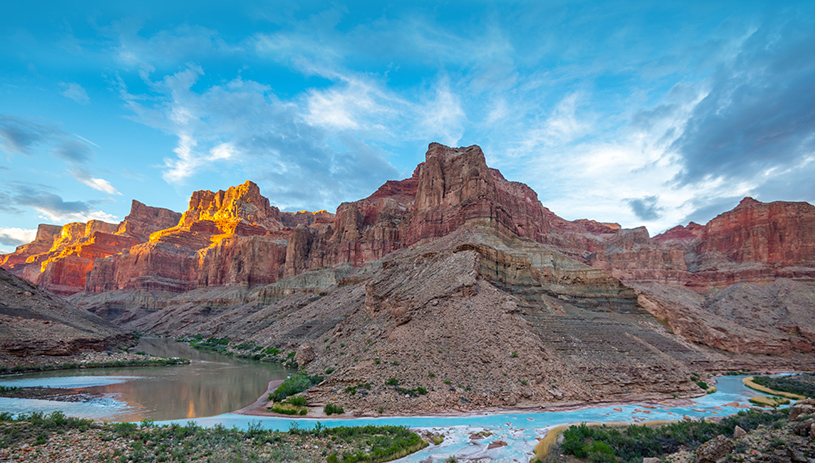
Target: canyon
456,280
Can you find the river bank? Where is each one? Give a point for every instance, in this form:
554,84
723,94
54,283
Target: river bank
88,359
56,439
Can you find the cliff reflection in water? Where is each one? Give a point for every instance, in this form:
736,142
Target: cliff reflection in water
211,385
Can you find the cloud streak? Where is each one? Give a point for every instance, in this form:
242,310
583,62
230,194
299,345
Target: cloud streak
22,136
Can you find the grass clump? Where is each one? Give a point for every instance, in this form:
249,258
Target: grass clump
764,401
285,408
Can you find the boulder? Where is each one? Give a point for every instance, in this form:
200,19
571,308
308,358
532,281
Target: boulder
305,354
803,428
801,408
714,450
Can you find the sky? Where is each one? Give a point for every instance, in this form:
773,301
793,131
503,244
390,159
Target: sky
642,113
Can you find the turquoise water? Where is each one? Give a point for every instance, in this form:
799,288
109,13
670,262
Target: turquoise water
519,430
214,384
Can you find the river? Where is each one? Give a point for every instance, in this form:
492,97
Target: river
213,385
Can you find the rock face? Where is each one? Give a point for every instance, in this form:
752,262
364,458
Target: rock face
36,323
740,285
145,220
60,257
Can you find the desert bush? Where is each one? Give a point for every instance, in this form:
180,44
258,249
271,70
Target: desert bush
633,443
331,409
294,385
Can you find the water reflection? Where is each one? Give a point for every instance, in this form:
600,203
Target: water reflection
211,385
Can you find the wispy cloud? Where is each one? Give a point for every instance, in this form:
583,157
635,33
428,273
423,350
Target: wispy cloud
98,184
758,114
646,208
245,124
52,206
74,91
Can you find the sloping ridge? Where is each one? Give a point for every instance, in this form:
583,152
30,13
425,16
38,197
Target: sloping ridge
34,322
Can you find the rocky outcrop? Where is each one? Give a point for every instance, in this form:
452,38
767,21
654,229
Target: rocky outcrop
456,188
145,220
60,257
714,449
43,241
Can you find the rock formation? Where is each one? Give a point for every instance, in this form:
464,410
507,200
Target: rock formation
60,257
446,271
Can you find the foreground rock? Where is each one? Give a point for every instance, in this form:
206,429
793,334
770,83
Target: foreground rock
714,450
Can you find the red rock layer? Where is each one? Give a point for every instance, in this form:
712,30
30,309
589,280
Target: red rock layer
236,237
755,242
60,257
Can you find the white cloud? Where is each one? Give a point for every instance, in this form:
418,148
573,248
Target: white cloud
98,184
442,118
299,157
66,217
13,237
75,92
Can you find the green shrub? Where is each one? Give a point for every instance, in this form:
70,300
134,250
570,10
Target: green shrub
392,382
294,385
297,401
331,409
633,443
803,384
285,409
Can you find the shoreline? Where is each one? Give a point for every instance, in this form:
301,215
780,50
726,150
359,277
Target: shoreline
87,360
258,408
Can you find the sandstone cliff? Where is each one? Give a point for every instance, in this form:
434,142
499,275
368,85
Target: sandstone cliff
60,257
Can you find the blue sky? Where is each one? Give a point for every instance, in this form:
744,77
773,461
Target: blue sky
642,113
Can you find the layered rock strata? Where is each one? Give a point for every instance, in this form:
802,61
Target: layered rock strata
235,238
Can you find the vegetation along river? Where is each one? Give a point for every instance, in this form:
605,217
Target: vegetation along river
214,385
